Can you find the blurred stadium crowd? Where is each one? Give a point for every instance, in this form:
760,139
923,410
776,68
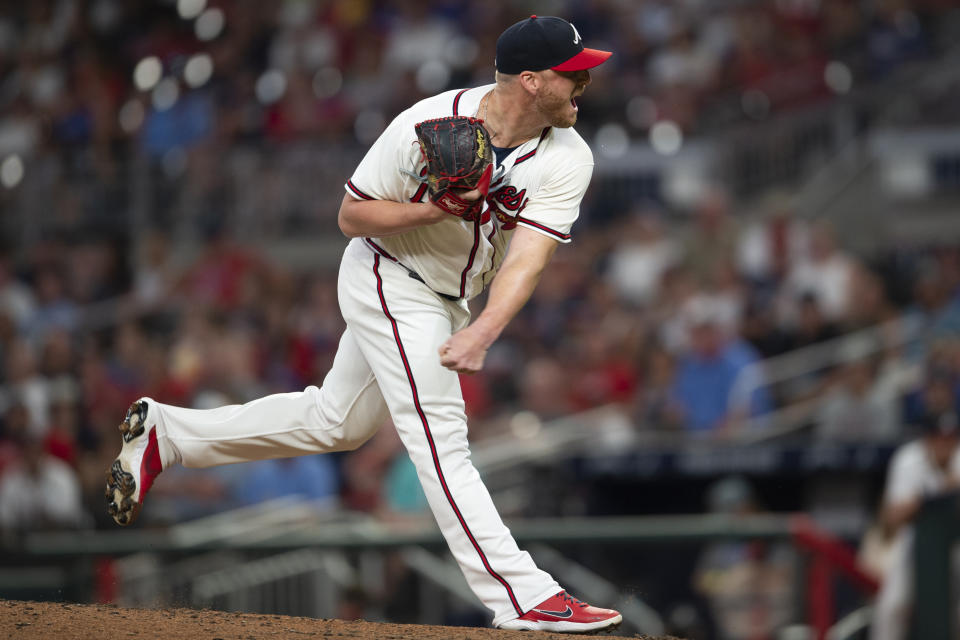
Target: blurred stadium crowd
655,311
79,75
659,311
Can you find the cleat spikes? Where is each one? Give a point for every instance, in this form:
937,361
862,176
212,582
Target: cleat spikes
133,423
127,484
135,468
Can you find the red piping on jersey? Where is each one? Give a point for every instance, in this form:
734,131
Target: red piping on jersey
473,254
525,156
493,256
456,101
493,232
432,444
418,196
373,245
562,236
357,192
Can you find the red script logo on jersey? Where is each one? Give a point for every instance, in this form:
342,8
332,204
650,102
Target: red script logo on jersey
507,197
510,198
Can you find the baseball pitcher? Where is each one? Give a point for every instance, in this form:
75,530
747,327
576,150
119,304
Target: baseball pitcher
466,190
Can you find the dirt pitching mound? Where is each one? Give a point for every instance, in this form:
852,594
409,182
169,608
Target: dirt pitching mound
44,620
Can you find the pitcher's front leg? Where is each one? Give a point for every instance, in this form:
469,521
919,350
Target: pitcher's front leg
427,408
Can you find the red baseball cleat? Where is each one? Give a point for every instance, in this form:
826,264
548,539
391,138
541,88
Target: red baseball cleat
132,474
563,613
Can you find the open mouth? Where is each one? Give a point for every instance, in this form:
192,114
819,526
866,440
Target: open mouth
573,103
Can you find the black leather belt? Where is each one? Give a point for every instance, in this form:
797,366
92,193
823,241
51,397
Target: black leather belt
416,276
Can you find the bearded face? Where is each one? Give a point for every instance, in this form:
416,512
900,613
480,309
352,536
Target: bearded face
556,99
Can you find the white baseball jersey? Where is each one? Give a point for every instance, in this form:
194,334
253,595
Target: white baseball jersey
539,185
388,356
913,475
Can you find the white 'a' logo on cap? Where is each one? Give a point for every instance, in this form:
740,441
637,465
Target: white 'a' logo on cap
576,35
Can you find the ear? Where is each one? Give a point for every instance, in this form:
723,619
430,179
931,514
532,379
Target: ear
531,81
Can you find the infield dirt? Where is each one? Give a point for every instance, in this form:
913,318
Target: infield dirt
49,620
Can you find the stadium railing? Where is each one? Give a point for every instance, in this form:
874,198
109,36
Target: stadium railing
266,560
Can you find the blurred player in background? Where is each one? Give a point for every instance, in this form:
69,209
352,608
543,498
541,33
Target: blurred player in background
921,469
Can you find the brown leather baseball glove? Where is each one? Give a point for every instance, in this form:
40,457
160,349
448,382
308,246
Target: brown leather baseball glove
459,159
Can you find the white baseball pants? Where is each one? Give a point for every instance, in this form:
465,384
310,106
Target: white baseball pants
387,361
894,603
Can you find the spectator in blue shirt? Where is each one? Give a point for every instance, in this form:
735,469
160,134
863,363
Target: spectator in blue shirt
709,388
312,477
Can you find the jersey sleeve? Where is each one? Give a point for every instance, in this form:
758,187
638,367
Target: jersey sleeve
380,176
556,205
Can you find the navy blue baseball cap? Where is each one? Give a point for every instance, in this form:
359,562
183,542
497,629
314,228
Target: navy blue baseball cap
544,42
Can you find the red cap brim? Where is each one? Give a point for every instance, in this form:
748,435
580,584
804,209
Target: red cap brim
586,59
